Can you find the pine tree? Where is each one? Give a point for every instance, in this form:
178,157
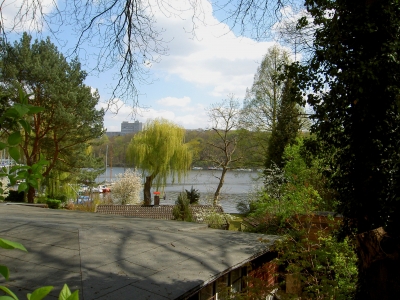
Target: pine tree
61,132
286,130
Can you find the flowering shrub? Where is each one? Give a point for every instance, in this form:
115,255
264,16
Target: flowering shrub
213,218
127,187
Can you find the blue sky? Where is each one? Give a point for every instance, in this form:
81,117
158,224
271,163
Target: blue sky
197,72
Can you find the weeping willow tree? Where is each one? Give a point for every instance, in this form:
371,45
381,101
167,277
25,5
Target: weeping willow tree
159,151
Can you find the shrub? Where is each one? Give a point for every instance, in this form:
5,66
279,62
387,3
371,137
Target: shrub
53,203
14,196
127,187
181,209
41,199
326,268
193,195
62,198
214,218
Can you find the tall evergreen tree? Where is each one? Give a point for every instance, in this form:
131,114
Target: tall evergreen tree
355,89
70,119
287,127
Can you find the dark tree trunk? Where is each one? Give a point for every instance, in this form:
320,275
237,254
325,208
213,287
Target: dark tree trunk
31,194
379,265
147,188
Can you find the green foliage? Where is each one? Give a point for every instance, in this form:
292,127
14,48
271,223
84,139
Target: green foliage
62,198
352,84
326,268
193,195
214,219
15,196
286,129
53,203
68,118
159,151
297,188
14,117
353,76
6,244
181,211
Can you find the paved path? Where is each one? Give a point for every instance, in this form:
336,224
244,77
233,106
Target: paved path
113,257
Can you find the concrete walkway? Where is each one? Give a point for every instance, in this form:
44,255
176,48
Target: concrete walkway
113,257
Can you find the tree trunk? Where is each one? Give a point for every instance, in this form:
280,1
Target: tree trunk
146,189
220,184
31,194
379,265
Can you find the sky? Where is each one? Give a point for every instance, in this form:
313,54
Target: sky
198,71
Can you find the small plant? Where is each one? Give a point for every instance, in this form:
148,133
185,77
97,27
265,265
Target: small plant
193,195
41,199
53,203
181,209
62,198
214,219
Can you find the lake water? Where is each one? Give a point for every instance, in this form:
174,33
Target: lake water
237,186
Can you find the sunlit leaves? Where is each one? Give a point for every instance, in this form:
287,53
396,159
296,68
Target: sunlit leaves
159,149
6,244
40,293
6,290
66,294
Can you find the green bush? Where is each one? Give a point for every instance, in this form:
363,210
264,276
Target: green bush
62,198
327,268
181,210
53,203
41,199
193,195
14,196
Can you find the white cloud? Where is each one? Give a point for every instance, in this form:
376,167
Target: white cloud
173,101
215,58
190,116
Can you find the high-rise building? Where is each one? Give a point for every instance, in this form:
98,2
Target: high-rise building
127,128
